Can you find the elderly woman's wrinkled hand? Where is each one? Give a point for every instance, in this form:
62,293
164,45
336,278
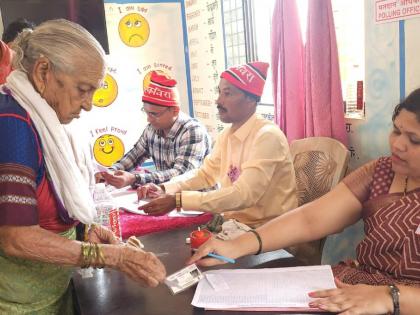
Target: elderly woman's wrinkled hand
102,235
353,299
141,266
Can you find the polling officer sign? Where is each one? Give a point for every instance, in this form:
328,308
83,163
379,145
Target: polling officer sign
395,10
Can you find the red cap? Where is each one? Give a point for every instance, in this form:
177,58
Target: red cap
249,77
161,90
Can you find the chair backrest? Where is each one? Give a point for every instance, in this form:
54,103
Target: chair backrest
320,163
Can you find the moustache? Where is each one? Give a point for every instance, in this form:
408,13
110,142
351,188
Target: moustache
221,108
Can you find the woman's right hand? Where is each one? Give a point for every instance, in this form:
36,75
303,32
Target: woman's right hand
215,246
102,235
149,191
141,266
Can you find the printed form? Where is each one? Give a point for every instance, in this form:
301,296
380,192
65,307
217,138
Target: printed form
278,288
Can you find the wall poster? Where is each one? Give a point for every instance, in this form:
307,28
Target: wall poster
143,36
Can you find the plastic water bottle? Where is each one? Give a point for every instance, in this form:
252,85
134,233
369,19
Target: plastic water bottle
104,203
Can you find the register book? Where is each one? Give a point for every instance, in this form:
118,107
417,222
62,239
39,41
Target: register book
276,289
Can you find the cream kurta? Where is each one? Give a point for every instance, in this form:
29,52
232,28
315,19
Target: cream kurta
254,168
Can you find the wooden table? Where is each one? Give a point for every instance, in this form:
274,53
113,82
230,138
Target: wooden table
111,292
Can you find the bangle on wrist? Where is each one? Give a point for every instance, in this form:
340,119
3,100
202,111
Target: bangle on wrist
257,235
92,255
178,201
395,295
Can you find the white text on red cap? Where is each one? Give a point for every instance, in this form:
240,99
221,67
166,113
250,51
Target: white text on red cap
248,75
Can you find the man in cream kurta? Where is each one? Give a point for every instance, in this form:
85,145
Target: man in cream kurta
250,160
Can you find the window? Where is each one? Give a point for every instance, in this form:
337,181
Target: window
234,32
248,31
243,20
349,27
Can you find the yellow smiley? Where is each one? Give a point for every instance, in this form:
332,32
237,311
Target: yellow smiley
134,30
107,93
108,149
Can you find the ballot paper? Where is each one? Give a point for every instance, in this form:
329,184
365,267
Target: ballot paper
262,289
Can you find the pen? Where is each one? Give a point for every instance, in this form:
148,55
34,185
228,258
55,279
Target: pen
220,257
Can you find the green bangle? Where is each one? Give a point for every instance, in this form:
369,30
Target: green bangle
257,235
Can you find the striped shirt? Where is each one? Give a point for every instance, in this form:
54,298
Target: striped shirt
183,149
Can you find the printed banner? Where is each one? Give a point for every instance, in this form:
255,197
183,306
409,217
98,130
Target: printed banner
207,59
395,10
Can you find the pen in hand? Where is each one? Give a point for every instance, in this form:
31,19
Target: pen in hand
220,257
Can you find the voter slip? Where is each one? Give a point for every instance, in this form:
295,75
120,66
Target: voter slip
183,279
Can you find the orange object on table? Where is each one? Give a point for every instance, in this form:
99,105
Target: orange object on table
199,237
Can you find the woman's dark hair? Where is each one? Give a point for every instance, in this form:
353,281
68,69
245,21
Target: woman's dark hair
13,29
411,103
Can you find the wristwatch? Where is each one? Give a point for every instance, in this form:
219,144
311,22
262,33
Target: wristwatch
137,179
395,294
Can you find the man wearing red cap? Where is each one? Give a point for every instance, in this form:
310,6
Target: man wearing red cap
175,141
250,160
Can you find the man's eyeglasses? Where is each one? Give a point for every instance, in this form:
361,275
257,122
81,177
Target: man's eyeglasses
154,114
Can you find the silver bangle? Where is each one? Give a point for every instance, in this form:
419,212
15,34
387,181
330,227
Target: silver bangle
395,294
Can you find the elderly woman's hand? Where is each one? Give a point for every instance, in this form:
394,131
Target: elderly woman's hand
102,235
141,266
353,299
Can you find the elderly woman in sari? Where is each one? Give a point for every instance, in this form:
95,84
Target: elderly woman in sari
385,193
42,194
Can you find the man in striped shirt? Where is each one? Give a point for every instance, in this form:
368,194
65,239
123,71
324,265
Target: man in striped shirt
250,161
176,142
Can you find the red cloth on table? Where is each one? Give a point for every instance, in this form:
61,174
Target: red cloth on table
135,224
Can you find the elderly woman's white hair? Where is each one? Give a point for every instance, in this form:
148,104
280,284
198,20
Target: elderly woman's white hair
64,43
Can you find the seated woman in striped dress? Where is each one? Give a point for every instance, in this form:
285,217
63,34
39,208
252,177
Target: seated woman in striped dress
385,193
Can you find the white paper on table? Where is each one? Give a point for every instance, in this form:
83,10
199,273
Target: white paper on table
127,199
116,192
263,288
184,213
